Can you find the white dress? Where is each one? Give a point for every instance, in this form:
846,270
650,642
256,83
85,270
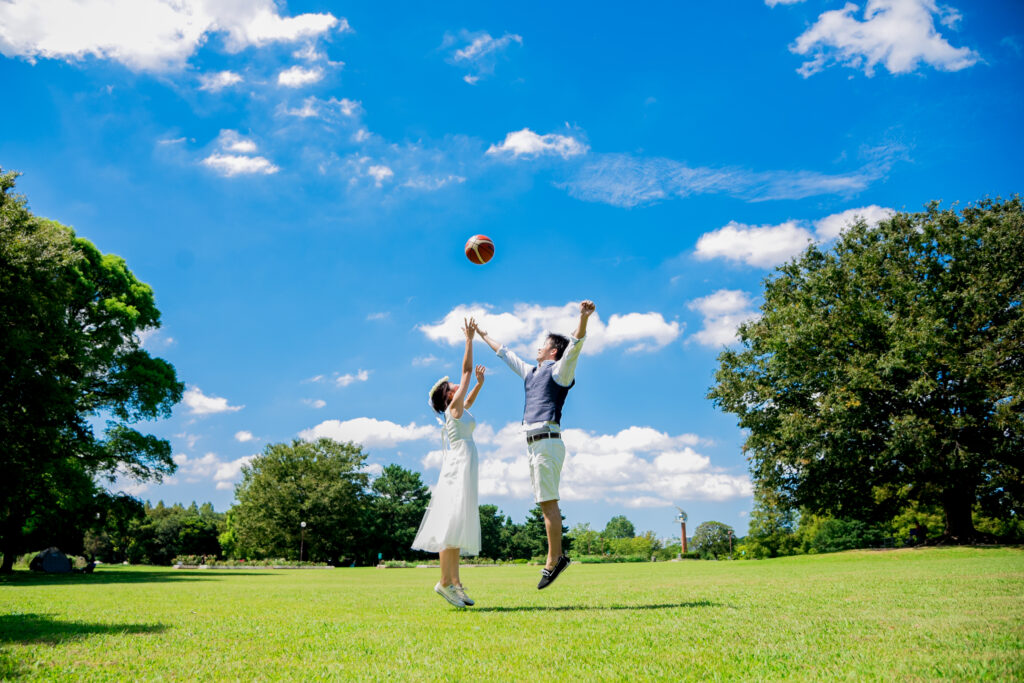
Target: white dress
452,519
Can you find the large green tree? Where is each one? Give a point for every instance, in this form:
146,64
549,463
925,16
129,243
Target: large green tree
70,356
396,508
619,527
889,370
321,483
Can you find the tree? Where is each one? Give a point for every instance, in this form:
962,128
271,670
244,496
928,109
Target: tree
491,523
585,540
890,370
69,354
619,527
712,539
772,531
399,499
167,532
321,483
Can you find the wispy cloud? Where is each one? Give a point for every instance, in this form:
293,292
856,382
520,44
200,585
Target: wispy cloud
345,380
479,53
148,35
627,181
244,436
899,34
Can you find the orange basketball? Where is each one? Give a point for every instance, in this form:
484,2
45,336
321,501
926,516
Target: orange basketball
479,249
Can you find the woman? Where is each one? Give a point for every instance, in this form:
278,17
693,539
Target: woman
451,524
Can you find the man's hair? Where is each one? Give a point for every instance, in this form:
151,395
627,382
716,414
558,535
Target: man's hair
560,342
439,399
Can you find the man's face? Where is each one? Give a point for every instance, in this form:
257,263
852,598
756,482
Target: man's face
546,351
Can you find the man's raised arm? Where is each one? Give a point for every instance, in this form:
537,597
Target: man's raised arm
512,360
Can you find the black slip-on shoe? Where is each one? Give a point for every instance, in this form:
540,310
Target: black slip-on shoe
548,576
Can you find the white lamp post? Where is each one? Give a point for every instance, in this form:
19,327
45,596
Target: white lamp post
302,540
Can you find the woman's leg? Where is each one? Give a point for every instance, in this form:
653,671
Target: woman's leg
449,566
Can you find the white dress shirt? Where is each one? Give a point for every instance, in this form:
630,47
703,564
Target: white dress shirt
563,373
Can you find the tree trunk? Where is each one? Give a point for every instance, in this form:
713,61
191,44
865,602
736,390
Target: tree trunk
957,503
10,546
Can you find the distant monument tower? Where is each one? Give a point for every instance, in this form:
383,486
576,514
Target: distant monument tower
681,518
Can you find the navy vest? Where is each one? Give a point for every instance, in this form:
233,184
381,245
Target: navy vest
544,396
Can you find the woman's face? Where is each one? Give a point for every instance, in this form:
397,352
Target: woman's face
452,388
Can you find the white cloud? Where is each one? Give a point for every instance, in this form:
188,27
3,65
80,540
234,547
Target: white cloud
216,82
723,313
147,35
227,474
233,158
424,361
900,34
648,467
382,315
190,439
530,323
244,436
298,76
210,468
480,53
380,173
201,404
345,380
232,141
764,245
316,403
773,3
526,143
233,164
829,227
370,432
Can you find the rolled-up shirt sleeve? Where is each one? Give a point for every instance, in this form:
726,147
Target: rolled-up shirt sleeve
513,361
564,371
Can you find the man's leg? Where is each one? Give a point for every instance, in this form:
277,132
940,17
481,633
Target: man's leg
553,528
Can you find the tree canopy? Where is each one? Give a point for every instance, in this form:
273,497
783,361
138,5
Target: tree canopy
712,539
889,370
69,355
321,483
619,527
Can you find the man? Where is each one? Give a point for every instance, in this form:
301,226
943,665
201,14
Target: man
547,384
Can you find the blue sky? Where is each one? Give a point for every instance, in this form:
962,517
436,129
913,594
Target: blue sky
296,182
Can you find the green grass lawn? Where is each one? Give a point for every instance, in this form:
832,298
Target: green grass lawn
923,614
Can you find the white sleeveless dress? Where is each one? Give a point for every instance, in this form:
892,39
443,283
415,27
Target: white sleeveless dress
452,519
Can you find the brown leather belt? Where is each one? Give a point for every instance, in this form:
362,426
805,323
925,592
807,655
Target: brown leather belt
543,435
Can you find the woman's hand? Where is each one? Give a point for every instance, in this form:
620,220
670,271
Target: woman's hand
480,370
469,328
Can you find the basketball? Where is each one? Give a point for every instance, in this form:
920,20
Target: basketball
479,249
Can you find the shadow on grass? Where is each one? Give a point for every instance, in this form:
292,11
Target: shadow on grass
40,628
598,608
28,629
104,576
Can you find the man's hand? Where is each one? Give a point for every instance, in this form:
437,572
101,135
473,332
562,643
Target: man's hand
587,307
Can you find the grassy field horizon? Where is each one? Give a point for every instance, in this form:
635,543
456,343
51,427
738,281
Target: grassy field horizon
953,613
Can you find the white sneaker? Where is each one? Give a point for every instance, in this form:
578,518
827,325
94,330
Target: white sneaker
461,592
449,594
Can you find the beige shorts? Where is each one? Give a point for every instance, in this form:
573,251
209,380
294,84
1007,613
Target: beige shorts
546,458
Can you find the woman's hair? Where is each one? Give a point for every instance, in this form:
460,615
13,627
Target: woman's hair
439,399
